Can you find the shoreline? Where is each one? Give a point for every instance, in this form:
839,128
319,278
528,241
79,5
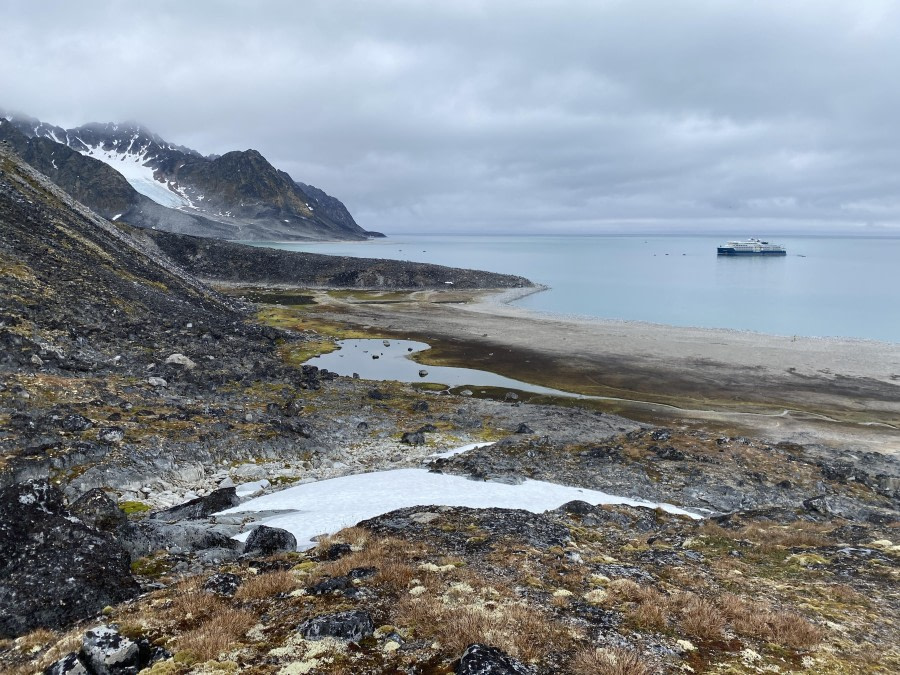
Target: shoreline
840,392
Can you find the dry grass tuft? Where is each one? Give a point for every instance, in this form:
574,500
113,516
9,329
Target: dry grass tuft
379,553
792,630
769,537
394,576
649,616
524,632
357,537
266,585
39,637
702,619
615,661
755,619
191,604
217,634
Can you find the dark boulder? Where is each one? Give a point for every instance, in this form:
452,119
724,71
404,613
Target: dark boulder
413,438
351,626
329,586
201,507
334,552
75,423
97,510
54,569
266,540
481,659
668,452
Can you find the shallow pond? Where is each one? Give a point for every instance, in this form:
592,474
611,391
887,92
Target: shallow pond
390,360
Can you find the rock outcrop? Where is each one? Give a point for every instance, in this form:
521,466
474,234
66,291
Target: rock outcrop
54,569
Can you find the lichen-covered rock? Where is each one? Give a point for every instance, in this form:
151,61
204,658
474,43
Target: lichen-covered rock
105,651
222,584
97,510
351,626
266,540
108,652
54,569
481,659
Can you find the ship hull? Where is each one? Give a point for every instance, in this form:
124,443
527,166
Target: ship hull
733,252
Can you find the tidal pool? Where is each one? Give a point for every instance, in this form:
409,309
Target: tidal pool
390,360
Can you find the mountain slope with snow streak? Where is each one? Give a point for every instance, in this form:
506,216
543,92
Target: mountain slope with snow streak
240,191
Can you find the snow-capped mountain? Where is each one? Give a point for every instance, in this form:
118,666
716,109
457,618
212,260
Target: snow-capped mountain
238,195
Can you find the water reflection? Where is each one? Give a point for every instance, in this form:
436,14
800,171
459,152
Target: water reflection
390,360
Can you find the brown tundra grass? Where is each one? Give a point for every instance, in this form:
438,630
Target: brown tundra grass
702,619
526,633
616,661
266,585
216,635
757,620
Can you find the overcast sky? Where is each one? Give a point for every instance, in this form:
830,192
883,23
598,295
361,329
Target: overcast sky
511,115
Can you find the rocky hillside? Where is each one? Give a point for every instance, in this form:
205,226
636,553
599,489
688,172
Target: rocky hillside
228,262
239,195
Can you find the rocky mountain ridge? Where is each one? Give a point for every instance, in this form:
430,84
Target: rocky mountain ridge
238,195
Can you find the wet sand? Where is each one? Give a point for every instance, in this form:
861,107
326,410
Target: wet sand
842,393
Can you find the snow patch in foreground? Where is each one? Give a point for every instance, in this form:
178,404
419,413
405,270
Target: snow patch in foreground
330,505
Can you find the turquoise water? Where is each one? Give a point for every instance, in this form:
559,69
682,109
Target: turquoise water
825,286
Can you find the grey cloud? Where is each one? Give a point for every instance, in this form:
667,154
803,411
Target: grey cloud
527,115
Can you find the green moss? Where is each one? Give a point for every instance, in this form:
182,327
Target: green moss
152,566
132,507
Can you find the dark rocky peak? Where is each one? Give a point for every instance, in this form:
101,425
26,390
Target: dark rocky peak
31,127
328,206
88,180
126,137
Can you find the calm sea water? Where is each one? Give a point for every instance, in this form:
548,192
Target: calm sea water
825,286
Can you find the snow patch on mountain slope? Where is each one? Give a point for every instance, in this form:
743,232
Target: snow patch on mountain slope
132,166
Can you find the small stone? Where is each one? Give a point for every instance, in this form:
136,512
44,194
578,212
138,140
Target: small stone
111,434
181,360
222,584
